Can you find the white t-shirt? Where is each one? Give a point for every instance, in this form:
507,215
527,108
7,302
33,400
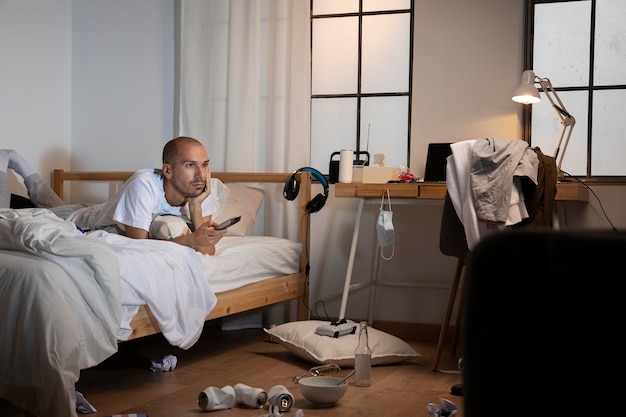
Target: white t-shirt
136,204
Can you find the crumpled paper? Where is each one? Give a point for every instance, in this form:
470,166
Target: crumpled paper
274,411
168,363
447,408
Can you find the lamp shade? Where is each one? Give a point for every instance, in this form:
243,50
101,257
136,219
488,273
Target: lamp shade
527,93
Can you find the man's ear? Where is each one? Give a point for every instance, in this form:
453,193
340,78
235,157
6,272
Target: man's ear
167,171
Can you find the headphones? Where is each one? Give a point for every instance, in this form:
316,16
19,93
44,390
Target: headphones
292,186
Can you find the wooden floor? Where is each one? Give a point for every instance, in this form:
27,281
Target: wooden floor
124,383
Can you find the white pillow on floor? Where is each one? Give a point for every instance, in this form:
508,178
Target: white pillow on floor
299,338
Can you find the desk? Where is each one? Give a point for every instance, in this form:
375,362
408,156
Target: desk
565,191
419,191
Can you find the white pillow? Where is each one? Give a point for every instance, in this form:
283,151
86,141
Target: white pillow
220,193
168,226
299,338
242,201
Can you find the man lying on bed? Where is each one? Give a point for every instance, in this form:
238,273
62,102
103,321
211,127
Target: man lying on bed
181,188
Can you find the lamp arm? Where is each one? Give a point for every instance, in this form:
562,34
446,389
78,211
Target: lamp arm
567,120
568,129
557,104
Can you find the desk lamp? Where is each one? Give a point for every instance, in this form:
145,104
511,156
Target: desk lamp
527,93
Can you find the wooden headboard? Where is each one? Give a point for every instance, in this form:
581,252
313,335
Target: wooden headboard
59,176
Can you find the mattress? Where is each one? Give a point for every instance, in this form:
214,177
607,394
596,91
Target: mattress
242,260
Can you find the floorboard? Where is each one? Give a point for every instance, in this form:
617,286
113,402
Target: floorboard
124,383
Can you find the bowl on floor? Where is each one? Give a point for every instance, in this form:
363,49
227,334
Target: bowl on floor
322,391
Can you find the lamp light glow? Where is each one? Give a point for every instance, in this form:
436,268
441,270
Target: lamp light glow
527,93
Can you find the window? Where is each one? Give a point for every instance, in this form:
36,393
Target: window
580,45
361,65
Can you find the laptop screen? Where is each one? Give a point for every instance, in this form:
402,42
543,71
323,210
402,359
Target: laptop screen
436,161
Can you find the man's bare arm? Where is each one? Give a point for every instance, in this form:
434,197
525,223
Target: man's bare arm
202,240
135,232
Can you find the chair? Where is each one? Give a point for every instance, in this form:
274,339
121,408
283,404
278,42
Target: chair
539,200
452,242
543,312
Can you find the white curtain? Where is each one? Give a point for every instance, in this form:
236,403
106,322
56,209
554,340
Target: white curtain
243,87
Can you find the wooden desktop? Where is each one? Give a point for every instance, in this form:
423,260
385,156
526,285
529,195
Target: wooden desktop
565,191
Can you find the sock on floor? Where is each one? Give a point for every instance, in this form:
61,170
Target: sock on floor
19,164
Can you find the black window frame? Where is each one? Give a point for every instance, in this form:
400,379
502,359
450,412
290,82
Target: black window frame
590,88
359,94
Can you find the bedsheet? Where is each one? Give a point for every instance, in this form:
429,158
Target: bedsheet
59,309
242,260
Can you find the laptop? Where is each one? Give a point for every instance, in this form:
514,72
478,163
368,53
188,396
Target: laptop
436,162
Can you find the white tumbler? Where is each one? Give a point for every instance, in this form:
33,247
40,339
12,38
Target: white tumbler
346,163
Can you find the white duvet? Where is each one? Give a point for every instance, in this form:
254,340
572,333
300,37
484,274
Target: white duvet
59,307
179,284
66,298
166,277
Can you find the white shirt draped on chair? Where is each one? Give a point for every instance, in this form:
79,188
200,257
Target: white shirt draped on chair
483,181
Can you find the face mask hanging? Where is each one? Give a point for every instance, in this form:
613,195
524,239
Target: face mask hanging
384,227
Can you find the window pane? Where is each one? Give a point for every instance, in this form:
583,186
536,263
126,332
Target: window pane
610,46
334,55
561,42
334,6
547,127
384,124
609,147
376,5
386,53
333,127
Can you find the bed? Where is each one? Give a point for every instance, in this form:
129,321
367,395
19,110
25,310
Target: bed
51,271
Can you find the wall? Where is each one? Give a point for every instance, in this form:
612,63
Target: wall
122,86
467,61
122,82
35,82
88,84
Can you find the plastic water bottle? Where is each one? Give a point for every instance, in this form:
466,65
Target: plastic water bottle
363,358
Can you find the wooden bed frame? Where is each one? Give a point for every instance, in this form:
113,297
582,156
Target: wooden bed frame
249,297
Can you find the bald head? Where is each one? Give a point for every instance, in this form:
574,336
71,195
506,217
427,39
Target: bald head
172,149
